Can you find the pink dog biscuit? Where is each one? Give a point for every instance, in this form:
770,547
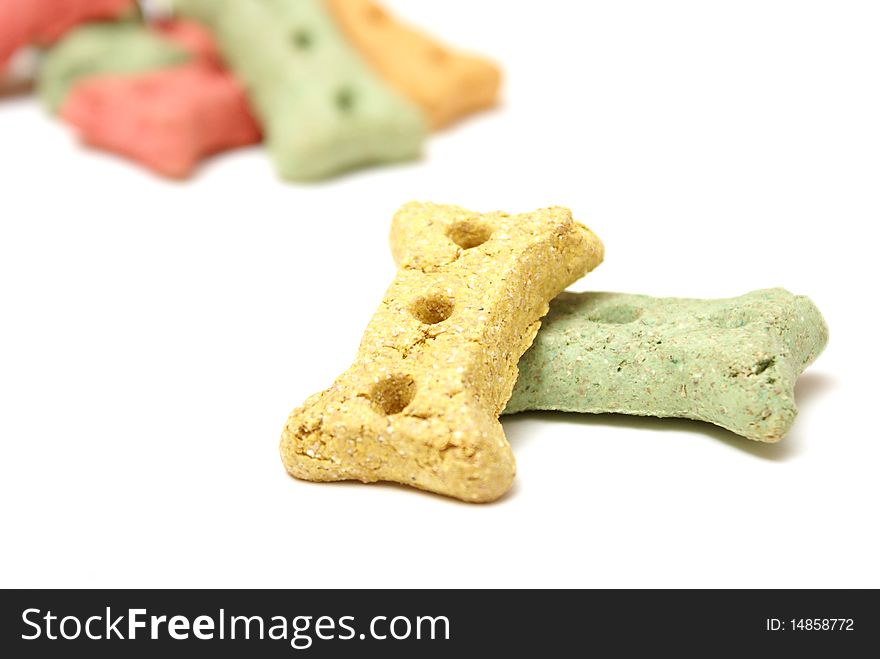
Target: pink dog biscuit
24,22
167,120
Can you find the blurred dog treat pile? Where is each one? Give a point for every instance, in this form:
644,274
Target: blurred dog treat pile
329,85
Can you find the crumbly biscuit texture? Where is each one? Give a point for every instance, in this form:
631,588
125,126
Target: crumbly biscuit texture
447,85
437,363
731,362
322,108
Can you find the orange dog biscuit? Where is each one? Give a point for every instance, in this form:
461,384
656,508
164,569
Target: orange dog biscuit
445,84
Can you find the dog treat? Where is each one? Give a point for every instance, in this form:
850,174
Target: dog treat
26,22
322,109
445,84
438,361
168,120
103,48
731,362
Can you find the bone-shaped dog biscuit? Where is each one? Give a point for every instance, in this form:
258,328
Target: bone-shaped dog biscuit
437,363
167,120
445,84
731,362
322,108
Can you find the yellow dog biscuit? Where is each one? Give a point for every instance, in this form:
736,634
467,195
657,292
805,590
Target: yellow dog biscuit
438,361
445,84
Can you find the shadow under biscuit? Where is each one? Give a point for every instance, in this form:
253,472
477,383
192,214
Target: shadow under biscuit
809,388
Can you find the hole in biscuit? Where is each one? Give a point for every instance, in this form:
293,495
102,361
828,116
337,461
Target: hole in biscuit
617,315
393,394
345,100
432,309
303,39
764,364
468,234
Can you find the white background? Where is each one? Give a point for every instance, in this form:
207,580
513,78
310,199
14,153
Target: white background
155,335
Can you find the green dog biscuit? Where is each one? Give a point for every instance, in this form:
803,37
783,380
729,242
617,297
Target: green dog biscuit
730,362
103,48
322,108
